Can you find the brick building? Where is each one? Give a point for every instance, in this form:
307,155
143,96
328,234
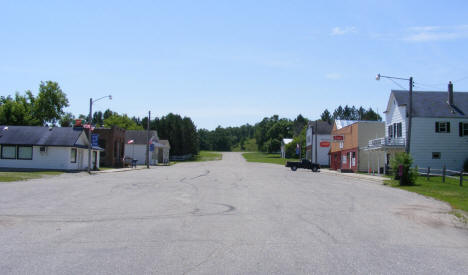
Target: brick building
349,138
112,140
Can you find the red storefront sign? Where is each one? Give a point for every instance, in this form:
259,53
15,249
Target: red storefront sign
324,144
338,137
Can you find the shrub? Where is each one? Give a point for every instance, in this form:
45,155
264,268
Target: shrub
409,175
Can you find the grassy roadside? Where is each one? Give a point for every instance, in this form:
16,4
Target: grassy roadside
450,191
266,158
17,176
207,156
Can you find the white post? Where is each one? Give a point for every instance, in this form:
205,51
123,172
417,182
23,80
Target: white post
378,164
368,162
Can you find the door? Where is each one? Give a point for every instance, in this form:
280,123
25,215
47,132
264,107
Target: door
79,159
94,160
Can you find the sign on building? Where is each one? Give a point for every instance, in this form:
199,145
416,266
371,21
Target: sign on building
94,140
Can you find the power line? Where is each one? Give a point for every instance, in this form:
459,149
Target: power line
461,79
398,84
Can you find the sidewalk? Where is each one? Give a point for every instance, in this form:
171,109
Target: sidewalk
379,179
119,170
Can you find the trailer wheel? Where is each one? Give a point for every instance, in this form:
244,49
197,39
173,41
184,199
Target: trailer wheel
314,169
294,168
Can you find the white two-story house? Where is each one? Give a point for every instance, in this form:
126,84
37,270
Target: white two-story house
439,131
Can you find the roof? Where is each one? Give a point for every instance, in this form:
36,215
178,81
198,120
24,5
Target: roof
140,136
434,104
287,140
344,123
39,136
165,142
323,127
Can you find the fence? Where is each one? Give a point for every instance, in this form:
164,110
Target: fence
444,173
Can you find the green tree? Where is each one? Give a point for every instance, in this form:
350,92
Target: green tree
67,120
50,102
122,121
326,116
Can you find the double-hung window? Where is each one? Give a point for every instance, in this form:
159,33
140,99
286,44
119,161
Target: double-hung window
73,155
463,129
442,127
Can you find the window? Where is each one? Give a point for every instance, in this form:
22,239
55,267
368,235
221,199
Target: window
399,129
8,152
435,155
463,129
442,127
25,152
73,155
390,131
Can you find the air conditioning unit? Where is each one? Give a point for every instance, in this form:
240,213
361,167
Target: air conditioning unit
43,149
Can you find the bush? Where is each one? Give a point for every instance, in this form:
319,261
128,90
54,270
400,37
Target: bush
409,175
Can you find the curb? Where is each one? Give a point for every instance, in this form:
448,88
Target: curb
117,170
356,176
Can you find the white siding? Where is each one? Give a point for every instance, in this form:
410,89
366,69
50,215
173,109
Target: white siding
55,158
424,141
322,152
396,114
138,152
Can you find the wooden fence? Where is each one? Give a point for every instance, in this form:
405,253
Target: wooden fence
444,173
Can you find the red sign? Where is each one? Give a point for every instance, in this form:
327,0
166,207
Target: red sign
324,144
338,137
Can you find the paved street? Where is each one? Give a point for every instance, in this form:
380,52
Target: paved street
224,217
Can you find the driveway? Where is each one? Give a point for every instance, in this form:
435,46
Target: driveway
224,217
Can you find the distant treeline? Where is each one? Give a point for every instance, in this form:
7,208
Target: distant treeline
269,132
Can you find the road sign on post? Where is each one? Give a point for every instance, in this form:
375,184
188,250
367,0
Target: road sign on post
94,140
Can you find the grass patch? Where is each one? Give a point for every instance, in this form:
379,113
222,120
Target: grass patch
250,145
17,176
450,191
104,168
266,158
207,156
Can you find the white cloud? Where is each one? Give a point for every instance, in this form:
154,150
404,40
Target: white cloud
333,76
343,30
436,33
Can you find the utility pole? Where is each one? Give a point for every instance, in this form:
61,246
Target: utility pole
148,139
410,115
89,133
410,111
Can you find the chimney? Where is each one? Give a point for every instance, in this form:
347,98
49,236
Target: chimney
450,93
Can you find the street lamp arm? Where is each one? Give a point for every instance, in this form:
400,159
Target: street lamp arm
109,96
392,77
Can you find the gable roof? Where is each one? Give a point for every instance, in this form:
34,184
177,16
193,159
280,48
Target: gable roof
433,104
287,140
165,142
323,127
39,136
345,123
140,136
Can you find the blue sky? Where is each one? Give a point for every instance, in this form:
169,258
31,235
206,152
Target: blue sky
231,62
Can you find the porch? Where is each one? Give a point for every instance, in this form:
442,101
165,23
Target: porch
389,147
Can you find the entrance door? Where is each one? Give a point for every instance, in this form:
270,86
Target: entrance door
94,160
79,158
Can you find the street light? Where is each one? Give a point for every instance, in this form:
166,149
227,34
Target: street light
410,112
91,101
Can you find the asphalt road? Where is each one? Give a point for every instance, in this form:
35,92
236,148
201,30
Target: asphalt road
224,217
